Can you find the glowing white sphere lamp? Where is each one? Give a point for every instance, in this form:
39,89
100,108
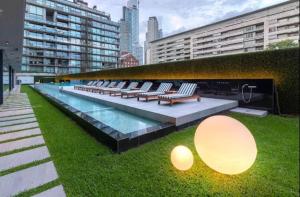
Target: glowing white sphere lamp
182,158
225,145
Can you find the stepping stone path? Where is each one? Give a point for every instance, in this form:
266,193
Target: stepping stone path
22,145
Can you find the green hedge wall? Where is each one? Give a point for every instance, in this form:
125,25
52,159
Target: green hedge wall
280,65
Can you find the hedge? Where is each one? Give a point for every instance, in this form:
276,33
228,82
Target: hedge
280,65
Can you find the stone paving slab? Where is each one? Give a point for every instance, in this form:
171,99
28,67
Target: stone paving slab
19,144
17,103
8,118
14,104
19,134
14,108
15,113
57,191
27,179
13,122
18,127
24,157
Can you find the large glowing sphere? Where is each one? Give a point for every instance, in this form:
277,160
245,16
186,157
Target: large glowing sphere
225,145
182,158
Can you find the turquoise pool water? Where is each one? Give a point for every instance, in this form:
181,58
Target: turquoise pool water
117,119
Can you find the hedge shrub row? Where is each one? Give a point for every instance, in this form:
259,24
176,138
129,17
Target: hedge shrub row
280,65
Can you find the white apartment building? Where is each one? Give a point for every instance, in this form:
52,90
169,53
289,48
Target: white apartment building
249,32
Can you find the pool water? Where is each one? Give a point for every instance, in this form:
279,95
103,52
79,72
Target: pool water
117,119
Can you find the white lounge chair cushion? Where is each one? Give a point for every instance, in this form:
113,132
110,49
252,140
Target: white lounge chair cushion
173,96
111,89
132,91
151,93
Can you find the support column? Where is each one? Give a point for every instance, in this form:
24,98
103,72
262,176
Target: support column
13,78
1,77
9,78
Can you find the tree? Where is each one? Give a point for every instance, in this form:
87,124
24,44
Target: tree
288,43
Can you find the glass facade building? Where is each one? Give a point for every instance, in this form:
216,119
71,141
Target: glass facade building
63,37
129,31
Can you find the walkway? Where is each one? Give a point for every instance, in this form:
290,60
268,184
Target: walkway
25,162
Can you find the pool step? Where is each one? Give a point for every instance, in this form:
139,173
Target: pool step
251,112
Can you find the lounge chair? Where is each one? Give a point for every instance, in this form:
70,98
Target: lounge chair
118,87
80,87
117,92
89,88
97,88
185,92
163,87
77,87
133,93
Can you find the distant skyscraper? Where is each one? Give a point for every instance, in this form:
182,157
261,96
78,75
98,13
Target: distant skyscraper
153,33
129,30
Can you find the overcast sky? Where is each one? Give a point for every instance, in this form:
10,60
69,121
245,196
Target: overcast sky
180,15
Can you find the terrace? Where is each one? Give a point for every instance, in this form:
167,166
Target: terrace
87,167
70,123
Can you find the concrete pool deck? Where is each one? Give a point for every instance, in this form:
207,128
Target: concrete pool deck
178,114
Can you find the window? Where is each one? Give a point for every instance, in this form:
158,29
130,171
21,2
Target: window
49,69
75,26
62,39
249,35
75,63
272,29
75,34
75,41
62,47
75,19
75,48
75,56
62,54
34,10
249,28
50,4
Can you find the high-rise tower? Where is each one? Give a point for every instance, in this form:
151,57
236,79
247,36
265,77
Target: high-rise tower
153,33
129,30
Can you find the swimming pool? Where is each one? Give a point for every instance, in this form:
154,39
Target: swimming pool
117,119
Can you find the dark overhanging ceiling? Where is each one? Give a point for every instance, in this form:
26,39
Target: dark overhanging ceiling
11,31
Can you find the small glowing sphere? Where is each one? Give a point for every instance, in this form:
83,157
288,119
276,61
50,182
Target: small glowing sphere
182,158
225,145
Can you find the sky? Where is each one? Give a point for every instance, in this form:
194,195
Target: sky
179,15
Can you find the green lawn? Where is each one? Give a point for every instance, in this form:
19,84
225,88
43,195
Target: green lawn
88,168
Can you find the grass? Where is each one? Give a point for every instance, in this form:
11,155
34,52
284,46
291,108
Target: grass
88,168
